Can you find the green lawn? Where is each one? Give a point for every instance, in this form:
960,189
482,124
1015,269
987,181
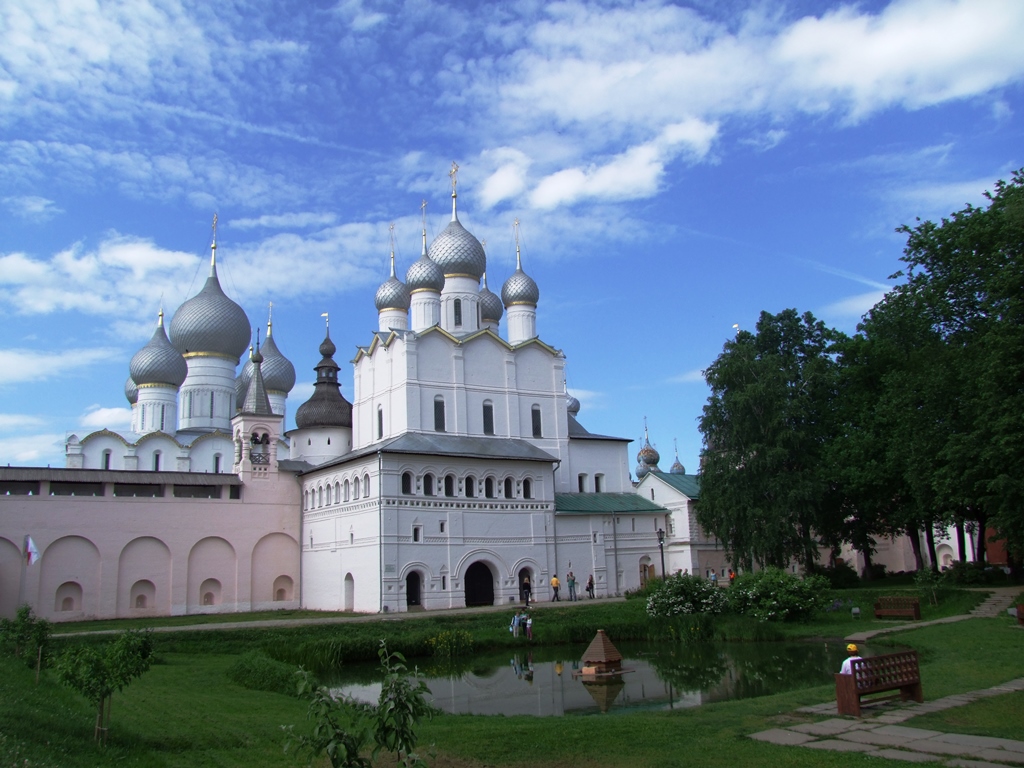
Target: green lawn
185,712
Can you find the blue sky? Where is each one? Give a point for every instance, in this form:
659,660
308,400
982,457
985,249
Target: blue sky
676,169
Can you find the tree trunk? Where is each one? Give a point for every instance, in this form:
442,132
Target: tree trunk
99,722
961,541
867,573
929,536
915,543
982,554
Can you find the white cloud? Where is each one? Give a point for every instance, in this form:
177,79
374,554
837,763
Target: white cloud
32,449
695,376
589,399
21,365
32,207
853,306
300,220
96,417
9,422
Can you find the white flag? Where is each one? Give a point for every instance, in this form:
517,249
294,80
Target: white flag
31,553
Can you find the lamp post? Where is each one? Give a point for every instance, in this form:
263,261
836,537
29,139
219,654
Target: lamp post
661,546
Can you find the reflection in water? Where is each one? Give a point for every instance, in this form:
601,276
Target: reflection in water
540,682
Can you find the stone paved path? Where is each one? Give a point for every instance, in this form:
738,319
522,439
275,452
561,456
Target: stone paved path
882,736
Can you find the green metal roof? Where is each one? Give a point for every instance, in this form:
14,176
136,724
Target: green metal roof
688,485
604,504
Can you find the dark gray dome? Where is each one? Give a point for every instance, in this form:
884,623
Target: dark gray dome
278,372
648,455
490,305
392,294
211,322
677,468
327,407
520,289
642,470
457,252
131,391
158,362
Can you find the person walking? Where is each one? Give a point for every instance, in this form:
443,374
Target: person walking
571,581
590,586
732,577
529,626
526,590
554,588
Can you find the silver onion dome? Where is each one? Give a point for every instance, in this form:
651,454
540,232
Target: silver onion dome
520,288
131,391
491,308
642,470
424,274
278,371
393,293
572,405
158,362
457,252
210,322
648,455
677,468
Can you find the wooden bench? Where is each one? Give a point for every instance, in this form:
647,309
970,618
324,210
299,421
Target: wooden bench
879,674
898,608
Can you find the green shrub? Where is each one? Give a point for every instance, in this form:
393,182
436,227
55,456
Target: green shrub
972,574
25,637
258,672
840,575
680,594
644,591
774,595
451,644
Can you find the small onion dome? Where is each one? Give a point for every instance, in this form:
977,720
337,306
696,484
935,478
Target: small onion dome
520,288
278,372
572,405
327,407
642,470
648,455
393,293
677,468
491,309
158,362
211,322
424,274
131,391
457,252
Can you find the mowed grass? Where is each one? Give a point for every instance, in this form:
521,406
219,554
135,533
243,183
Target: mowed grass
185,711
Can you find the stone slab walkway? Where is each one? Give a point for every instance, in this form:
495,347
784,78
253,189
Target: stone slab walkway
882,735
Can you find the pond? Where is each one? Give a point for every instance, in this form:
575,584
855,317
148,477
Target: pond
541,681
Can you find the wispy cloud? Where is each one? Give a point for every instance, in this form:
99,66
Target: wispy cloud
32,208
301,220
695,376
32,449
21,365
97,417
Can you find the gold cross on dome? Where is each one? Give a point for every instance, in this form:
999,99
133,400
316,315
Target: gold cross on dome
454,175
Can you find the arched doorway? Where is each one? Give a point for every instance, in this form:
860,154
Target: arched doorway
412,590
350,592
479,585
521,579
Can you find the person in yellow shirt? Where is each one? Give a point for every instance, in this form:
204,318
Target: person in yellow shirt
554,588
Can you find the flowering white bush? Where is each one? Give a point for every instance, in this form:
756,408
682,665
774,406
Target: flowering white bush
685,594
774,595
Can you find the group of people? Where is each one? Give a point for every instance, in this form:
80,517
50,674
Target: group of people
571,582
522,622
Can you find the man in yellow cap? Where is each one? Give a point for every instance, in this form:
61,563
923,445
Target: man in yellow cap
847,668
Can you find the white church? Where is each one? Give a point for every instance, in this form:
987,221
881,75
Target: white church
458,473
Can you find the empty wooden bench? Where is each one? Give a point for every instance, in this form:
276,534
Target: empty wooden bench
898,608
879,674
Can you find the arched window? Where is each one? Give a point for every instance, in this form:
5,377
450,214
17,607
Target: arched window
106,459
305,500
537,431
380,423
163,409
320,496
328,495
510,491
488,417
216,463
407,483
211,404
457,307
366,486
428,485
489,487
355,488
527,488
347,490
156,461
449,485
337,493
470,488
439,414
598,483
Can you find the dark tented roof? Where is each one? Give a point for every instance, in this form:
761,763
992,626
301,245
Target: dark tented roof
578,432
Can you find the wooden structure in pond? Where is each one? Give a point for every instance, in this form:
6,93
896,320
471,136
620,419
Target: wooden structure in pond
601,659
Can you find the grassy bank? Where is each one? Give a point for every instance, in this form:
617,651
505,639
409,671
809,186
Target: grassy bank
186,712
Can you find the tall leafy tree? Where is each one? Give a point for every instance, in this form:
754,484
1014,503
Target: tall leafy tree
967,273
764,490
